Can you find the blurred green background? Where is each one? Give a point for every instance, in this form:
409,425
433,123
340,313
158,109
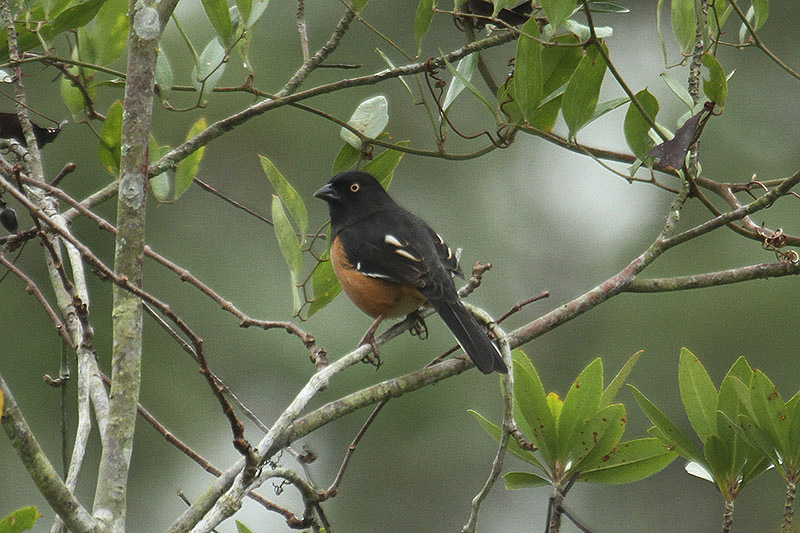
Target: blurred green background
544,217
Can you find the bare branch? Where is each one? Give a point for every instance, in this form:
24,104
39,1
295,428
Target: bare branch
40,469
713,279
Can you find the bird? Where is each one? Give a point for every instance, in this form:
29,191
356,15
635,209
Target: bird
10,128
390,262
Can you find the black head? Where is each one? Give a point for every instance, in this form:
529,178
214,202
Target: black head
351,194
10,128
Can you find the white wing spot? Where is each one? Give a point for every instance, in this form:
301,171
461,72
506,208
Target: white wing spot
394,241
408,255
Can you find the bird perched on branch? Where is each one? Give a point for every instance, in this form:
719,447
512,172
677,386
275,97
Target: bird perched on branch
390,262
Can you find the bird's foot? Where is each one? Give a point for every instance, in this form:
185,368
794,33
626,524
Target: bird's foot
373,357
418,328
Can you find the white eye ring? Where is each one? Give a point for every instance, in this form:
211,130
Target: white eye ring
354,187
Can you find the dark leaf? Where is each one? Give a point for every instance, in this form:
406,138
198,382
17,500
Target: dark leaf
8,218
672,153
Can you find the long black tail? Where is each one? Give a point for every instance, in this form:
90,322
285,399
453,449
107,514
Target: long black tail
471,336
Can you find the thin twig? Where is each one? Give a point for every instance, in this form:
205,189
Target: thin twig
302,29
41,471
222,126
334,488
33,289
509,426
759,43
313,62
225,198
714,279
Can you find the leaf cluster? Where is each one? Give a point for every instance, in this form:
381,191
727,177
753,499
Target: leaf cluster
577,437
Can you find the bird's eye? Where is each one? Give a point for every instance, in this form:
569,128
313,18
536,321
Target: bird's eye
354,187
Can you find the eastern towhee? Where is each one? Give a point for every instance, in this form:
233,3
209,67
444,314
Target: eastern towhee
390,262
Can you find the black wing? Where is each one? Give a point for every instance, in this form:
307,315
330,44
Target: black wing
398,246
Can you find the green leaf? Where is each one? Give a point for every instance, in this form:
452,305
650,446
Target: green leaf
220,18
756,464
76,16
717,22
759,440
558,65
698,394
716,86
423,20
290,247
660,33
631,461
72,96
164,75
580,405
619,380
288,195
495,433
637,128
463,71
678,89
210,68
358,5
370,118
608,106
555,404
187,169
522,359
769,412
162,186
584,32
718,461
530,397
583,91
761,10
729,407
557,11
383,166
241,528
667,430
110,31
347,158
684,24
53,7
86,46
464,81
793,408
325,285
524,480
391,65
20,520
500,5
244,7
257,8
528,83
598,437
111,139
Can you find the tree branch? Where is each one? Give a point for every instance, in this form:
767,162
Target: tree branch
713,279
40,469
218,128
110,495
619,282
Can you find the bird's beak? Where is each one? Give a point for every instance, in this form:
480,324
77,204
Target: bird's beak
327,193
